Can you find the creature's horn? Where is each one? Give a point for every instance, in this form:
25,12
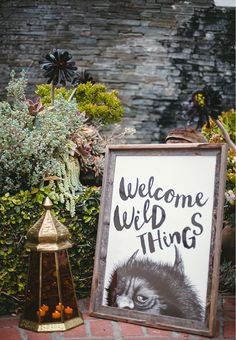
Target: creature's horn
178,265
132,257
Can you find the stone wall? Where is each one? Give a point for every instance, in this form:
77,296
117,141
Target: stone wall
156,53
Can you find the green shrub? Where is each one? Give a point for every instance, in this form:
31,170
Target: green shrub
93,99
227,277
18,214
214,135
44,91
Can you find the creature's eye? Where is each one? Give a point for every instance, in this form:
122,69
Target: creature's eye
141,298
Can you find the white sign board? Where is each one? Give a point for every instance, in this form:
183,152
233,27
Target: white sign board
157,233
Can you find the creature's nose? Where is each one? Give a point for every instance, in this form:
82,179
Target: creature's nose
124,302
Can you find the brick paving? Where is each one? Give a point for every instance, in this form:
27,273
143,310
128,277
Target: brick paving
99,329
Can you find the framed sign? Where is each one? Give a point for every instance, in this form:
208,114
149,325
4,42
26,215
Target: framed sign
159,236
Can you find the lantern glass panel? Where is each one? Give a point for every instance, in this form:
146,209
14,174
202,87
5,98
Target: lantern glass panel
67,286
32,293
50,287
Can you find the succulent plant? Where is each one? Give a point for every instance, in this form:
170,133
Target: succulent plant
58,67
82,77
35,106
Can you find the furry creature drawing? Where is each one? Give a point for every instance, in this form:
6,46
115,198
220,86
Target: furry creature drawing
157,288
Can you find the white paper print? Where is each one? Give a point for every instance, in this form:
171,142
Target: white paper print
161,218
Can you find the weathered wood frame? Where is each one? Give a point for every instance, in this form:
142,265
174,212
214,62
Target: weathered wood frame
206,328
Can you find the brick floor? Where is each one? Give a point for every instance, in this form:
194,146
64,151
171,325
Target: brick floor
99,329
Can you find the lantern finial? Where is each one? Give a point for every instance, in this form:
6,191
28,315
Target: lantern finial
48,203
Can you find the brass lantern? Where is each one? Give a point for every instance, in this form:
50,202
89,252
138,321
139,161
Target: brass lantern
50,302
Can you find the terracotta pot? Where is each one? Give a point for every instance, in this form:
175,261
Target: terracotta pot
185,135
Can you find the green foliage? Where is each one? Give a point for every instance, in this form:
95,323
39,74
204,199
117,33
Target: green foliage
18,213
53,145
93,99
227,277
44,90
70,185
214,135
98,103
31,146
16,87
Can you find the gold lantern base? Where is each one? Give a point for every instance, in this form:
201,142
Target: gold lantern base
51,327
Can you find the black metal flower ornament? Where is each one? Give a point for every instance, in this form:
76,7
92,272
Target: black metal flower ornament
205,104
58,67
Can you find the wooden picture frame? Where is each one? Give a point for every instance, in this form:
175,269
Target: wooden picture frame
161,212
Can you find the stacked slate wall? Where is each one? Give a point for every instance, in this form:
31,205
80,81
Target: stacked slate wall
156,53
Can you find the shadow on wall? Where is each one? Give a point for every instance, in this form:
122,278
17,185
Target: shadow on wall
205,48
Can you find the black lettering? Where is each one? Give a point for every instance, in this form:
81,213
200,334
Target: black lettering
198,199
197,224
143,243
185,240
162,217
122,193
141,189
150,184
156,194
145,210
117,222
185,199
136,219
170,193
176,235
151,241
169,196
